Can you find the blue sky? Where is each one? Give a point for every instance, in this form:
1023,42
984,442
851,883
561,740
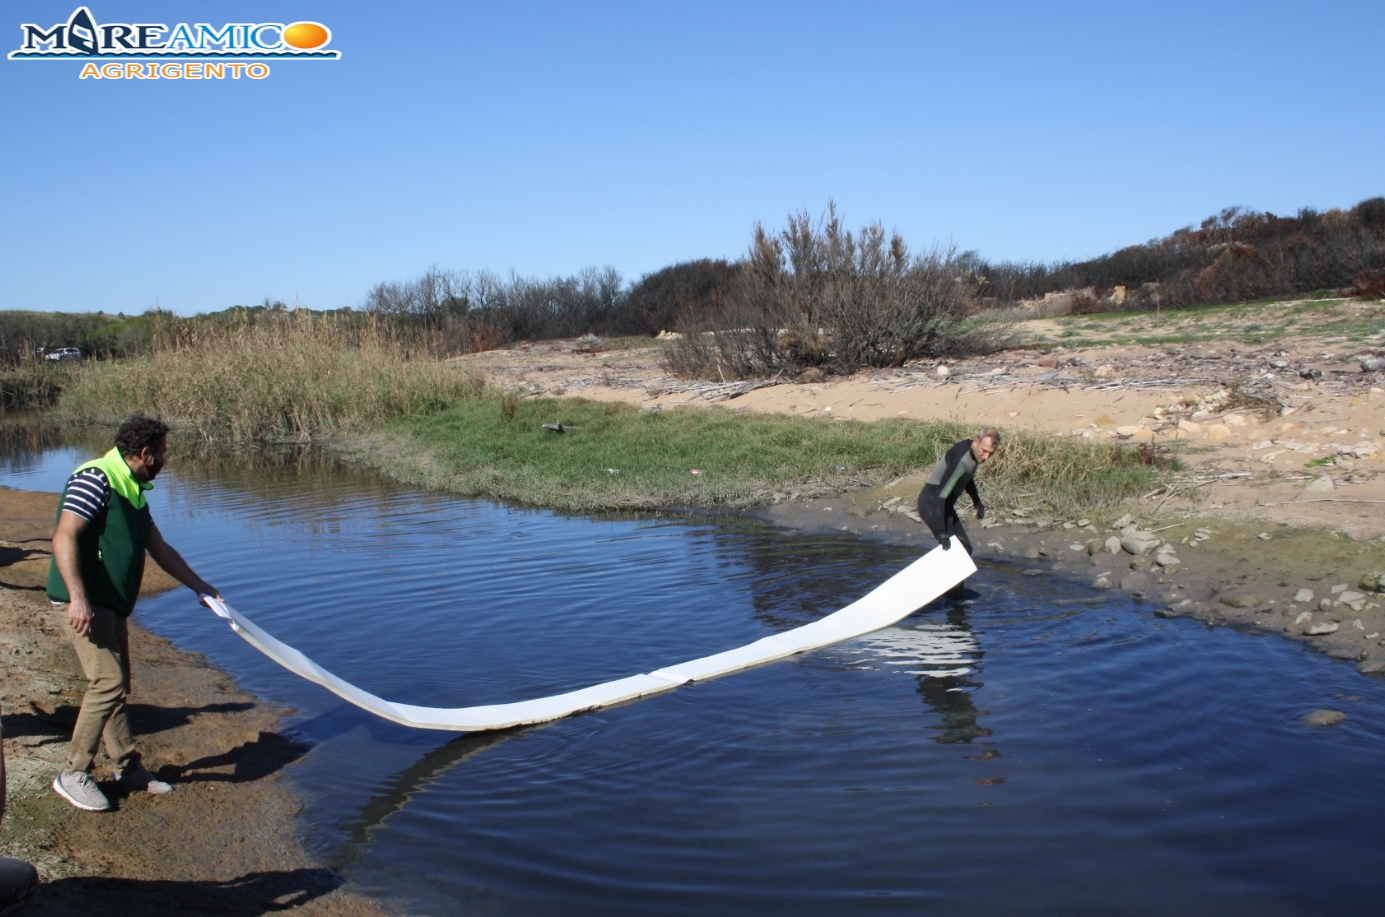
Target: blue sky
547,137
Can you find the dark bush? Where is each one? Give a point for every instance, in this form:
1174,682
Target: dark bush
1369,284
656,302
1234,255
815,295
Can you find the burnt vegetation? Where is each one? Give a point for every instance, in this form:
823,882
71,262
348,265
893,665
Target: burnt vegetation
1235,256
816,298
810,299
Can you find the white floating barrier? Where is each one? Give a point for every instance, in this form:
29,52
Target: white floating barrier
893,600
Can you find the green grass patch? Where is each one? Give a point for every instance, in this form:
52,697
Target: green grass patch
1254,324
615,456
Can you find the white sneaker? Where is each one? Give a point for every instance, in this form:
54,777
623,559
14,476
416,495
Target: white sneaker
140,778
78,788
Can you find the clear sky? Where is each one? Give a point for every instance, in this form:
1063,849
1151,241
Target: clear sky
547,137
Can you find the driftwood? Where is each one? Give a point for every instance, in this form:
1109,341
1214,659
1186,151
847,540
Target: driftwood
1320,500
1188,484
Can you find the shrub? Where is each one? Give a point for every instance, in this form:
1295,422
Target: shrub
817,294
1369,284
656,302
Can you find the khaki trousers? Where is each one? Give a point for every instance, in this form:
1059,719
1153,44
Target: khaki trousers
104,651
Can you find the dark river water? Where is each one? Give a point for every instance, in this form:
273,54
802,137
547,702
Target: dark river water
1083,757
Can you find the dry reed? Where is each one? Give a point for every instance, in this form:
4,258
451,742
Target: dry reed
287,377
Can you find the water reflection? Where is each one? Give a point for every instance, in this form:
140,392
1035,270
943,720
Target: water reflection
25,439
401,789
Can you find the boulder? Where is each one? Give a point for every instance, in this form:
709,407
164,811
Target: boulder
1168,560
1139,542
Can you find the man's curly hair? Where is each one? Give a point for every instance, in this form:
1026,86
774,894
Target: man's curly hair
140,432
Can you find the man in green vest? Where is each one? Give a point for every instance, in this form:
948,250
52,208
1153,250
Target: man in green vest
104,530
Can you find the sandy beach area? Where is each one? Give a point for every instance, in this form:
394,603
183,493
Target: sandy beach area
1276,523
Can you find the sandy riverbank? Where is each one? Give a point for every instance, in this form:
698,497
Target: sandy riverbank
226,841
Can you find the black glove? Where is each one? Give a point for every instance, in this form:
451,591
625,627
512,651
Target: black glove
980,510
945,541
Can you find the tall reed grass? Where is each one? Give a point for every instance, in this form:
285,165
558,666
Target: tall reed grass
32,385
293,377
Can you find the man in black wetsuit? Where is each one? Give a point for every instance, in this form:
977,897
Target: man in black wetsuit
954,473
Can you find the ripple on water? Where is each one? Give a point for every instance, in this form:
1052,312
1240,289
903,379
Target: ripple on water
1041,749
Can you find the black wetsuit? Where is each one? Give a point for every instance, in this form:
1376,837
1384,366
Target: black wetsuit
954,473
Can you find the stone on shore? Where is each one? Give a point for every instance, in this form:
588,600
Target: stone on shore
1139,542
1353,600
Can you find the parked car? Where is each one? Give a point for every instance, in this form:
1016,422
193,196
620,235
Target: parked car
63,353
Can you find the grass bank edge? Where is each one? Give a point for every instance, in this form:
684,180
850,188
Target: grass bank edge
615,456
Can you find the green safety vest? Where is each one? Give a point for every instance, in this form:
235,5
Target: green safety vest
111,549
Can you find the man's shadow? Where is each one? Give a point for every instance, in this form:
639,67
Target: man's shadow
267,753
148,719
251,895
14,552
